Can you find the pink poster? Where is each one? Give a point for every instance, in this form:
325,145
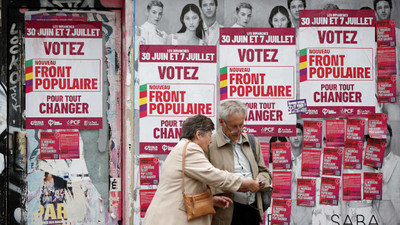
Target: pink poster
386,89
281,155
306,192
312,135
145,199
372,188
386,33
351,187
332,162
69,145
374,153
377,125
355,129
49,145
281,210
335,130
386,61
149,172
353,155
265,152
281,182
310,163
329,191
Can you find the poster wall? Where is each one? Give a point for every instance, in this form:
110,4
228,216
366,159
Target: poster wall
340,51
337,62
63,73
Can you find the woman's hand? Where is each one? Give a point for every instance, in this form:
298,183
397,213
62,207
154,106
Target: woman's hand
222,201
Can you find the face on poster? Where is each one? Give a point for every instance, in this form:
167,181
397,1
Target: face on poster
337,49
176,82
63,72
257,67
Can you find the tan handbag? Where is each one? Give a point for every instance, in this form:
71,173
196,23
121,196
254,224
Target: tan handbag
197,205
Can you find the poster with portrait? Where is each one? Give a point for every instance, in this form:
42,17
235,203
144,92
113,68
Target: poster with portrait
63,73
337,62
179,81
257,67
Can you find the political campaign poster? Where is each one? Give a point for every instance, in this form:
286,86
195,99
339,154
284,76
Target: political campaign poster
337,62
306,192
281,155
69,145
335,131
257,67
63,73
374,153
146,195
353,155
386,61
329,192
281,210
351,186
49,145
372,186
332,161
386,89
177,82
312,136
281,182
311,163
149,174
355,129
377,125
386,33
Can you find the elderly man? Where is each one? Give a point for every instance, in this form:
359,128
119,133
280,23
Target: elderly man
230,150
211,25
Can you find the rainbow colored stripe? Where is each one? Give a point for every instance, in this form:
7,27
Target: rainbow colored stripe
143,101
223,83
28,76
303,65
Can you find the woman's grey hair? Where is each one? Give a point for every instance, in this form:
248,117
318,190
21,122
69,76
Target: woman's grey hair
230,107
196,123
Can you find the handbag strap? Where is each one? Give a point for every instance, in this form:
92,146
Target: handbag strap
253,145
183,166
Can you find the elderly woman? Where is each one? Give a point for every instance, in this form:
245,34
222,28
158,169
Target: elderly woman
167,206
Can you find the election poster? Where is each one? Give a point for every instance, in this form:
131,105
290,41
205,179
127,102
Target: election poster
311,163
265,149
177,82
281,182
386,33
386,61
281,155
355,129
353,155
281,210
257,67
329,192
149,174
337,62
306,192
312,136
351,187
335,132
63,73
374,153
372,188
49,145
386,89
146,195
69,145
377,125
332,162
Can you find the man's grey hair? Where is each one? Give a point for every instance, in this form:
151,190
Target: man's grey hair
230,107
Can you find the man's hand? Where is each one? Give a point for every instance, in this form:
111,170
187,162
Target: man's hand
261,184
249,185
222,201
